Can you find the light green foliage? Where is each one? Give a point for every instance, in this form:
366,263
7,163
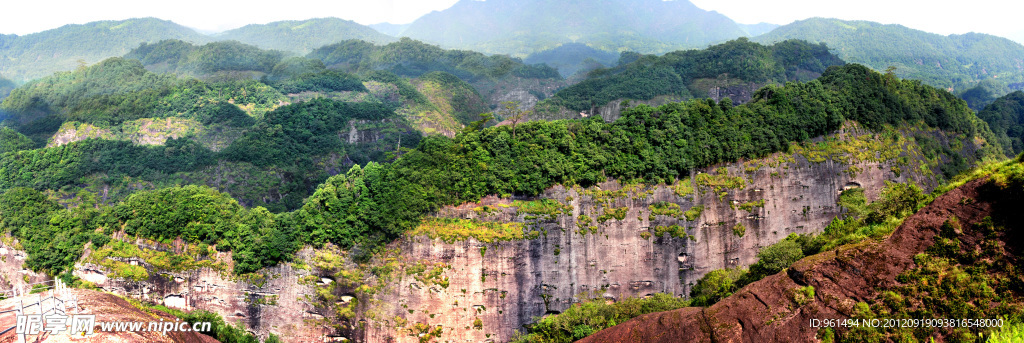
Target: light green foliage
720,182
594,315
694,212
752,206
957,61
739,230
803,295
665,209
1010,332
673,230
716,285
452,230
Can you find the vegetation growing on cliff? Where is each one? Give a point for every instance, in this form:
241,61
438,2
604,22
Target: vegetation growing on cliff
590,316
380,202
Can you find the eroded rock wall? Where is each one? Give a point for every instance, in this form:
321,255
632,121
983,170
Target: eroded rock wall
497,288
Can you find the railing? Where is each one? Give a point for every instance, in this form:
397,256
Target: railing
60,299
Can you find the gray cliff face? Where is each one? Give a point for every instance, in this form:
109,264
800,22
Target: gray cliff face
597,242
512,283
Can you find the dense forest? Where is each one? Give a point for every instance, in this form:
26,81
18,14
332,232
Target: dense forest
1005,116
954,61
570,58
302,36
24,58
642,77
412,58
375,202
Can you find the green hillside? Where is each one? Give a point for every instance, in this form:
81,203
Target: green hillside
302,36
227,59
522,27
377,202
570,58
68,47
412,58
682,73
1005,116
954,61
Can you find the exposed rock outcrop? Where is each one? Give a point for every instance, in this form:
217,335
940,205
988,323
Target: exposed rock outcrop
764,312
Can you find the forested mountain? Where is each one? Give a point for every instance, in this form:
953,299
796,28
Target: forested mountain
688,73
224,58
68,47
412,58
302,36
375,203
570,58
1006,118
954,61
522,27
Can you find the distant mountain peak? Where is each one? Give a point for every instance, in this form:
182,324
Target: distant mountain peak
521,27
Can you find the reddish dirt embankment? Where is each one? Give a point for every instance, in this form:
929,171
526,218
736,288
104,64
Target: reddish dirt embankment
107,307
765,311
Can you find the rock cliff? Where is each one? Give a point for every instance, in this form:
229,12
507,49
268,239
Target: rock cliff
570,243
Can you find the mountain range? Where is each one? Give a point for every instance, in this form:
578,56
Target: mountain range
954,61
523,27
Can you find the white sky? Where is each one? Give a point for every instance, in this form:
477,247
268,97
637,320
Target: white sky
999,17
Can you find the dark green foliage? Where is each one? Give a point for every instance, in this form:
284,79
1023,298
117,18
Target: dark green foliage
582,320
875,99
195,213
224,113
650,76
411,58
52,236
94,93
185,58
1005,116
325,81
118,90
958,61
716,285
987,91
773,259
54,168
294,67
302,130
11,140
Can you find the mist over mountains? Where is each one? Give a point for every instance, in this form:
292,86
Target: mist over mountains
523,27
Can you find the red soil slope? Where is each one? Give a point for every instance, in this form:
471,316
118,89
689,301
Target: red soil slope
765,311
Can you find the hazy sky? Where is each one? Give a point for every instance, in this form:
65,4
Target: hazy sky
999,17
